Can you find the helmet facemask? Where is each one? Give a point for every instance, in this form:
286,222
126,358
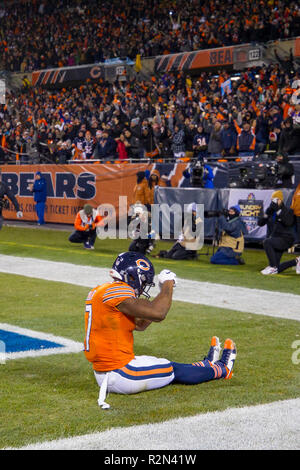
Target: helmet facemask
136,270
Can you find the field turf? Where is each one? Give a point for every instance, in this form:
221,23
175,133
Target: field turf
56,396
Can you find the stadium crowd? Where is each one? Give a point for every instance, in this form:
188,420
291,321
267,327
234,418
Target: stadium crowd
55,33
167,116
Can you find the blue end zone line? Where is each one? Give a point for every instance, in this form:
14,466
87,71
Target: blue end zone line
61,345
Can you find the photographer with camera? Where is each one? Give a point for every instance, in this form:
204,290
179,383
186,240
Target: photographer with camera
200,175
280,222
284,171
5,193
86,222
186,245
141,222
230,232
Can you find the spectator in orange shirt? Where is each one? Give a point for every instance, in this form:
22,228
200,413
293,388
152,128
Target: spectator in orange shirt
85,225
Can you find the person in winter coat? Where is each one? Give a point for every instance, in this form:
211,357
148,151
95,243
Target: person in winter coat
189,241
215,145
121,148
200,143
285,171
140,190
5,194
85,225
39,189
246,140
228,135
178,142
231,231
282,235
105,147
201,175
295,205
289,141
154,180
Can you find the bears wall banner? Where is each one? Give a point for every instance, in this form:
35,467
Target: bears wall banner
194,60
67,74
69,187
297,47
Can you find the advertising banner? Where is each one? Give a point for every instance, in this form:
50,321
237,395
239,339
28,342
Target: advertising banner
69,187
194,60
107,70
67,74
253,204
297,47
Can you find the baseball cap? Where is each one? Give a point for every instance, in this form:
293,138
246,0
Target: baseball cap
88,209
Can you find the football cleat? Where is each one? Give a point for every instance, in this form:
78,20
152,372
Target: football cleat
228,357
88,246
269,270
214,350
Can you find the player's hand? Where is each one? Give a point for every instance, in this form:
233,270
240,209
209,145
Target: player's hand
19,214
166,275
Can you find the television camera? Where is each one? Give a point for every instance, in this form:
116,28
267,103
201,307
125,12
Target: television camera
197,173
262,173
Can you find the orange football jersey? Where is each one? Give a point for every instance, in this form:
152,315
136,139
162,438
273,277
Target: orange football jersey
108,332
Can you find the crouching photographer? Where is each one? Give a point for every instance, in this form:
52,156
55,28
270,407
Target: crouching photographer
86,222
230,231
186,245
280,222
140,230
5,193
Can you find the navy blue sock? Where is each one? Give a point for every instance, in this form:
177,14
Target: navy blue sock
198,372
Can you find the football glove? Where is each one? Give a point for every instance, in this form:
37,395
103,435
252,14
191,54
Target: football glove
166,275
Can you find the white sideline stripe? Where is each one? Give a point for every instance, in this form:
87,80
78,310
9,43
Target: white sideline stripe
275,426
242,299
68,345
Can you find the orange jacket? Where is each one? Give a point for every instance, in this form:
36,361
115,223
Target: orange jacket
296,201
83,222
140,192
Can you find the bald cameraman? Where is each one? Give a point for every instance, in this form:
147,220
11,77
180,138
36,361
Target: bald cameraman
5,193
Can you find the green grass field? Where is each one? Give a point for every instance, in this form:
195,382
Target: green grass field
53,245
56,396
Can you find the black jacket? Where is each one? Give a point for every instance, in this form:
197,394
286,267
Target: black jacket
285,172
280,222
289,139
5,191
